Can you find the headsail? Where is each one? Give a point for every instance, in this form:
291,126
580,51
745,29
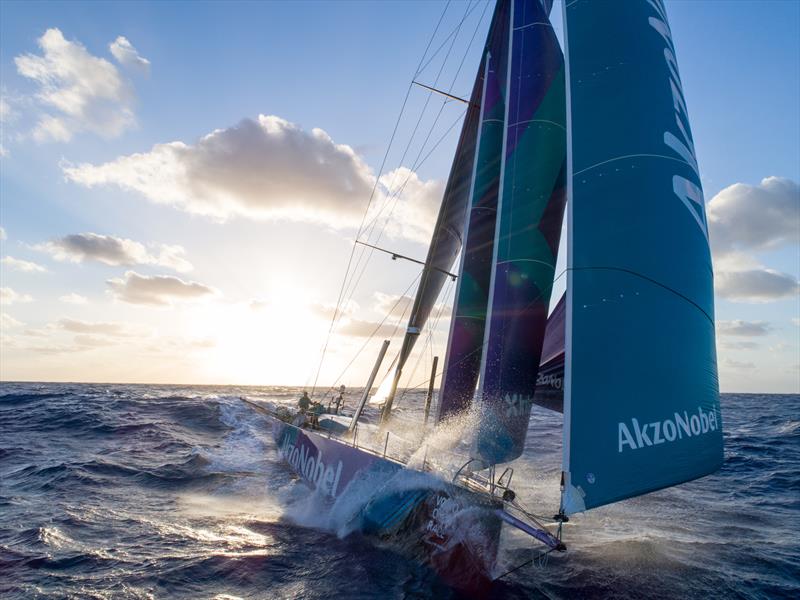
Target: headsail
641,392
528,228
463,359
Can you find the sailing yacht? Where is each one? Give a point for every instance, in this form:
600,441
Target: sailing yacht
628,353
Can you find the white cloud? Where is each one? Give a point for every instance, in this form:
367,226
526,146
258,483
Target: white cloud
743,328
7,321
158,290
755,286
73,298
755,217
110,250
392,304
95,327
85,92
3,235
6,112
359,328
739,345
416,205
9,296
16,264
730,364
796,321
269,168
127,55
93,341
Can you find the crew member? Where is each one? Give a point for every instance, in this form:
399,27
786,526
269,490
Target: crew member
339,402
304,403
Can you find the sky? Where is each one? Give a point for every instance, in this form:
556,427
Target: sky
180,185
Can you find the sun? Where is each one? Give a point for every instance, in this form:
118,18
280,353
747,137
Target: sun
275,342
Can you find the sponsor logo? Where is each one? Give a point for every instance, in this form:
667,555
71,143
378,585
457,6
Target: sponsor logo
641,435
679,140
517,405
311,468
552,380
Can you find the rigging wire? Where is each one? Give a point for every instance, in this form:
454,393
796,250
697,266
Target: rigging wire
374,332
394,195
372,195
445,41
418,161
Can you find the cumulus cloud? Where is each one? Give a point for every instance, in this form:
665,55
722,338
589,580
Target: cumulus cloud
269,168
82,91
110,250
755,217
157,290
3,235
414,204
26,266
743,328
755,286
73,298
9,296
127,55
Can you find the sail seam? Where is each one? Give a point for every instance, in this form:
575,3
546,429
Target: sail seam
559,125
631,156
651,280
516,260
531,25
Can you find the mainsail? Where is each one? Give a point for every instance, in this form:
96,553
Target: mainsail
641,401
448,235
528,227
463,358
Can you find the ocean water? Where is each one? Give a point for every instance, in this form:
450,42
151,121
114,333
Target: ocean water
134,491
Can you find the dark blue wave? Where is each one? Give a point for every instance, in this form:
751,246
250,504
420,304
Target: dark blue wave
169,491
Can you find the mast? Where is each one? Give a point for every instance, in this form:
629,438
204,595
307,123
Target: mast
641,394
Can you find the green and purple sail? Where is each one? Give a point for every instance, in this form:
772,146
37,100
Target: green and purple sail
529,215
467,327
